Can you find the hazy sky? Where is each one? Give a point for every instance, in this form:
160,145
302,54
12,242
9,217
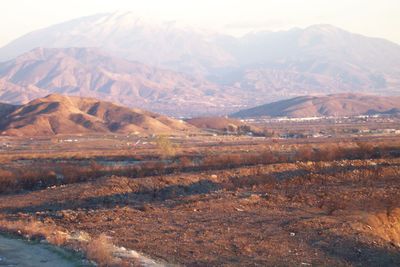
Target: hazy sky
378,18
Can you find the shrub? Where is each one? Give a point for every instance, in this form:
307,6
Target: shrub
364,150
165,146
304,154
100,250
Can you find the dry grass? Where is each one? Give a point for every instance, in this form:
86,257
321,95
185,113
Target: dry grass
166,147
340,189
35,230
16,179
385,225
100,250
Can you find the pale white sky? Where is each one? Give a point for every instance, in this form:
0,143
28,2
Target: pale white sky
378,18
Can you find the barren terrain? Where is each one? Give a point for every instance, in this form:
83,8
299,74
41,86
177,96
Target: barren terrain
58,114
214,201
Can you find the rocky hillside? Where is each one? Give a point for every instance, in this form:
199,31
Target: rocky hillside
330,105
56,114
89,72
184,71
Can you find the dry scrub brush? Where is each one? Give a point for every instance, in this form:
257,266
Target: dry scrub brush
100,250
32,177
165,146
386,225
35,230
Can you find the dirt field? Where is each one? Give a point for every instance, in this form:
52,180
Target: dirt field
326,211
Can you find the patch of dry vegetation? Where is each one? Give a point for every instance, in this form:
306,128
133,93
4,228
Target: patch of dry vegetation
35,230
385,225
258,206
166,147
99,249
32,177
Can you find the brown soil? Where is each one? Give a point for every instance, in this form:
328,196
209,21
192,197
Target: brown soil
338,213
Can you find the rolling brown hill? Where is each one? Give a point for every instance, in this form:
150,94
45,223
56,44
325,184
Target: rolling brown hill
330,105
57,114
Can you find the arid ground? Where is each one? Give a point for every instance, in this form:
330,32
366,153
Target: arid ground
207,200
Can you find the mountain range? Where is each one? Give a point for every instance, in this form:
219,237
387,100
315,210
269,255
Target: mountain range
182,71
58,114
89,72
330,105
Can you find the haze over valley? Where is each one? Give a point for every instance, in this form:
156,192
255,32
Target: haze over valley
183,71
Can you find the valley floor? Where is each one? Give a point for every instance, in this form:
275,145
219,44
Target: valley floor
342,212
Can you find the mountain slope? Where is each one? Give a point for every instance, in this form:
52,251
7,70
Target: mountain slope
319,56
160,44
6,109
222,73
317,59
331,105
56,114
90,72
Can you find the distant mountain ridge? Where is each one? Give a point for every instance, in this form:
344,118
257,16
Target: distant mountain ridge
57,114
331,105
317,59
89,72
189,72
124,34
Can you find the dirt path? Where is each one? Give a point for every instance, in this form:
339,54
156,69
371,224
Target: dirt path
15,252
